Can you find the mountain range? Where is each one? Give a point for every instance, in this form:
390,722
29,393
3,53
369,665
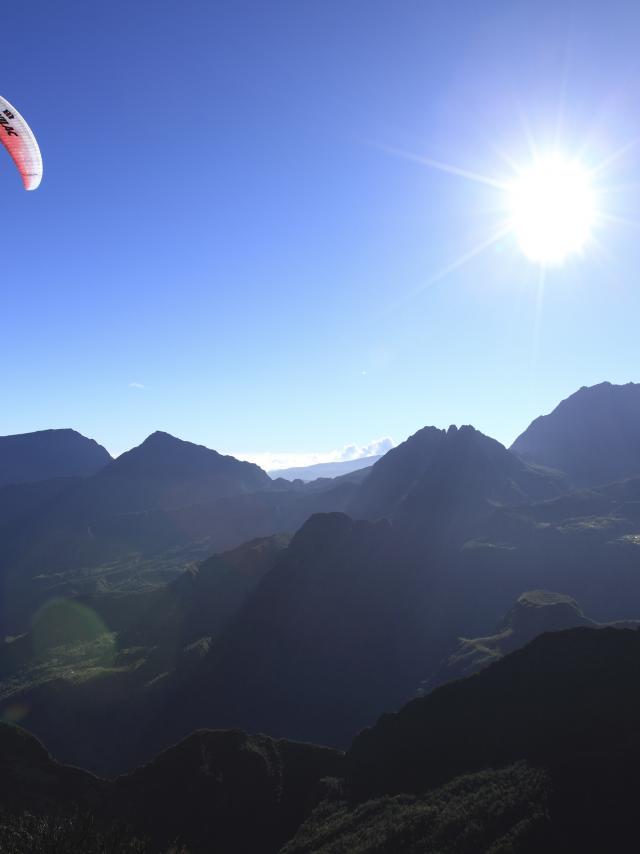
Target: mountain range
164,495
175,590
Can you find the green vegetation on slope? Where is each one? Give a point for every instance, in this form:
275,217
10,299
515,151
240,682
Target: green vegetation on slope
491,812
71,832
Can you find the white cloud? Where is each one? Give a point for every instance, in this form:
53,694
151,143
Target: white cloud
271,461
372,449
136,385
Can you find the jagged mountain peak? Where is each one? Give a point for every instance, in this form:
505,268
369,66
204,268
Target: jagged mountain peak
433,466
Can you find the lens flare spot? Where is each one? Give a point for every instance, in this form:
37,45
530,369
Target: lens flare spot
65,623
15,712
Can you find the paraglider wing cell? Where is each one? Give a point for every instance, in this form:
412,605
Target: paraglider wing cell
17,137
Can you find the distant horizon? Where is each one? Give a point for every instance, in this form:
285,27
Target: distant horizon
278,460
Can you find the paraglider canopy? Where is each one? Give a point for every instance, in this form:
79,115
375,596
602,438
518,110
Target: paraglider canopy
17,137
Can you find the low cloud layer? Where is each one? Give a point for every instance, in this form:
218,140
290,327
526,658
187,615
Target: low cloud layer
372,449
274,461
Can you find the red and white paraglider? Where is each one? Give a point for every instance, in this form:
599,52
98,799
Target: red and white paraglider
17,137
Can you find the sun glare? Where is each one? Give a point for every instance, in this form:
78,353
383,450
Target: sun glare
552,210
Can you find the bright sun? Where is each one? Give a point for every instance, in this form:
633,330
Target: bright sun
552,210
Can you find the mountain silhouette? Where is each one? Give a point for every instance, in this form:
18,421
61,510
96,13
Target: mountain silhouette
164,472
352,616
360,610
163,495
46,454
593,435
457,475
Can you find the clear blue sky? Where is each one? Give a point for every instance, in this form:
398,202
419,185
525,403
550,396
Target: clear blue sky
220,223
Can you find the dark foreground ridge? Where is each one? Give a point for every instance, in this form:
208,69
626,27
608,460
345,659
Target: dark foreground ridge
215,791
569,703
539,752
